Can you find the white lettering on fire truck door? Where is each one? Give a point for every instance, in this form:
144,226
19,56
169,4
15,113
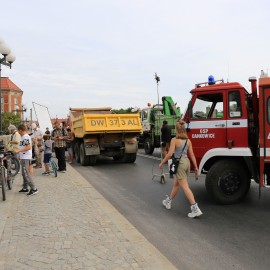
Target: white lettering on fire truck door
204,134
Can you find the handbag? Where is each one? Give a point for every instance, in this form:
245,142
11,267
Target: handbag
175,162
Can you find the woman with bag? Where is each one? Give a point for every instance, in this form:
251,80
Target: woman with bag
181,146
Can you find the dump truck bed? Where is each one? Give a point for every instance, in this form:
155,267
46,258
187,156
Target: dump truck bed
97,123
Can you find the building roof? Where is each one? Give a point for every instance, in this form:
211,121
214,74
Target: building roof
7,84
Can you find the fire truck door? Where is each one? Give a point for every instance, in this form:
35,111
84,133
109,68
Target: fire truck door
237,123
208,124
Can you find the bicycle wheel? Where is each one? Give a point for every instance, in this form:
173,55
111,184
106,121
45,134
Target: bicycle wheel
3,182
15,165
10,183
9,175
54,167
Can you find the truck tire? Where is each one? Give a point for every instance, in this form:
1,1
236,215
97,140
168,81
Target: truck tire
92,160
227,182
83,158
129,158
148,147
77,152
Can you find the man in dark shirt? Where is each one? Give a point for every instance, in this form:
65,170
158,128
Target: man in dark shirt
166,135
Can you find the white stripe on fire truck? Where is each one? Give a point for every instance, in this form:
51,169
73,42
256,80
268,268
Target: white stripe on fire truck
237,123
267,152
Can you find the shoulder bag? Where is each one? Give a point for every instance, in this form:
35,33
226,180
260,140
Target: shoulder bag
175,161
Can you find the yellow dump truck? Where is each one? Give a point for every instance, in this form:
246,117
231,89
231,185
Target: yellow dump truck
98,131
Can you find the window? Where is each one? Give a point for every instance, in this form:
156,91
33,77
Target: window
208,106
144,114
235,108
15,101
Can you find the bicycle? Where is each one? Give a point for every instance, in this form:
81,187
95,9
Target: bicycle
15,163
5,171
53,167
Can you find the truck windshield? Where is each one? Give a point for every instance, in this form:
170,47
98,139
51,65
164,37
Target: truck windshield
144,114
208,106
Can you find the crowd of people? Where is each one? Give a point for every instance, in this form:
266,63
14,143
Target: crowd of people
34,148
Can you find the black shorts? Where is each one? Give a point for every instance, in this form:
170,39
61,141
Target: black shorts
47,158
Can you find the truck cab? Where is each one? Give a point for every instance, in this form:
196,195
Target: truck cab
222,123
151,120
219,119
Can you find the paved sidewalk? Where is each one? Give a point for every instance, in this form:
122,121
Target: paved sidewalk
69,225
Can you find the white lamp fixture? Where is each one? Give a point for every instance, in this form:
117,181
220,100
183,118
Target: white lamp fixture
11,57
4,49
7,59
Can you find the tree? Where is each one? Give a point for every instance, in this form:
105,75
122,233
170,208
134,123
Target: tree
123,111
10,118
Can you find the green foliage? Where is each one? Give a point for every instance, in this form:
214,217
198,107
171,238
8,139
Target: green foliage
123,111
10,118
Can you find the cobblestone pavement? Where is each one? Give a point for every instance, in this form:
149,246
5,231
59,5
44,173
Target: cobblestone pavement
69,225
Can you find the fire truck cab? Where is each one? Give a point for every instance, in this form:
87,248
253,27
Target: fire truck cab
230,133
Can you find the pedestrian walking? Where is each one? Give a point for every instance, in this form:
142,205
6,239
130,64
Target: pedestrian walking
166,135
59,136
47,153
25,151
38,135
35,153
181,146
70,145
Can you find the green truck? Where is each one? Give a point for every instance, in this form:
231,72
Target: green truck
152,118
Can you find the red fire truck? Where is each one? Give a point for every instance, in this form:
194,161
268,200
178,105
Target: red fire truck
230,133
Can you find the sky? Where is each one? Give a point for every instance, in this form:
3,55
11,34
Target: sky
105,53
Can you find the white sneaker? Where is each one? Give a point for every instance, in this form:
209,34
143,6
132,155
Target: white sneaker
195,211
167,203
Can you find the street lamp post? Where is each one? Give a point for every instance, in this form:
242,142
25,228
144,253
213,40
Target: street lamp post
24,109
6,59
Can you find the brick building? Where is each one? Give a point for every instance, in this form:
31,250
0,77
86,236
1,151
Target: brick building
11,96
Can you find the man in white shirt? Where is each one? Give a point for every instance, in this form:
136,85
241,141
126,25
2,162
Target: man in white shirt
25,151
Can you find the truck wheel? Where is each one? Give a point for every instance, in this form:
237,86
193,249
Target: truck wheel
227,182
92,160
148,147
129,158
77,152
84,159
116,158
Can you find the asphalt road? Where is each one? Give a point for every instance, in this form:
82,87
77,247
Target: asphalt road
225,237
